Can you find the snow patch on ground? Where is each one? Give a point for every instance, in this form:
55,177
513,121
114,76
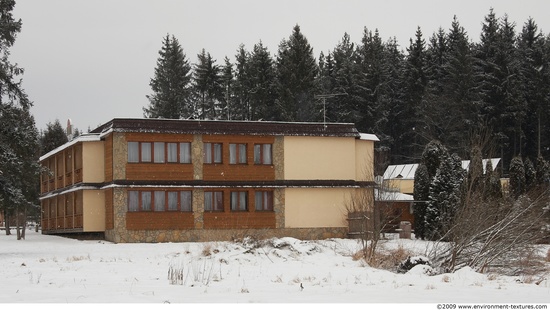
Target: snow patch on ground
50,269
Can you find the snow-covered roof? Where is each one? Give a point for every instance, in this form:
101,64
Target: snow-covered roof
368,136
407,171
389,195
82,138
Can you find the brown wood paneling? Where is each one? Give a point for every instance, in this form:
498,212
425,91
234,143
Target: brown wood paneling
239,220
157,137
159,220
108,158
159,171
238,172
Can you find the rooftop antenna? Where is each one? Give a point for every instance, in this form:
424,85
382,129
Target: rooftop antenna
324,98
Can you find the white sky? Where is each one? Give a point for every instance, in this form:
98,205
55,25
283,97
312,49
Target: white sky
91,61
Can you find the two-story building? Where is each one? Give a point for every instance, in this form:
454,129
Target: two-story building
159,180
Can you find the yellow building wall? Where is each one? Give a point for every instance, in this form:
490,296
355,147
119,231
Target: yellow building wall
315,207
93,217
319,158
364,160
93,162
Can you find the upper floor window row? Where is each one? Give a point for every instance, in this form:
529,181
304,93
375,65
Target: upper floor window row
159,152
173,152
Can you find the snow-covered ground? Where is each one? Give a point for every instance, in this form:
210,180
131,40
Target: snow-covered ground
50,269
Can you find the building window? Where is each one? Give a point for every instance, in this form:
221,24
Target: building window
212,153
239,201
160,200
264,201
237,153
159,152
133,201
185,152
145,201
262,154
172,152
133,152
172,201
213,201
186,201
146,152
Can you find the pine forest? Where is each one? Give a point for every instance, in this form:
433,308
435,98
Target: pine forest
492,91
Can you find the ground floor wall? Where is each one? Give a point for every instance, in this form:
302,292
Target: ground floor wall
199,225
316,207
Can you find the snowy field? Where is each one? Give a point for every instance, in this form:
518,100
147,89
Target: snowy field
49,269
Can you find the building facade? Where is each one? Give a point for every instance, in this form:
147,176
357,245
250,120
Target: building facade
151,180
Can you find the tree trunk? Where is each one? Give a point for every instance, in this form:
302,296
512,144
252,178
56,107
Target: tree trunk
24,223
7,221
17,225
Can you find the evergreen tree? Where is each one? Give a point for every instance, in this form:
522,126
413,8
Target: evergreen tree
459,88
445,197
421,194
493,187
408,141
517,177
534,89
228,81
171,93
296,79
370,54
530,175
542,172
435,116
243,83
344,74
475,170
19,146
391,98
208,87
52,137
262,78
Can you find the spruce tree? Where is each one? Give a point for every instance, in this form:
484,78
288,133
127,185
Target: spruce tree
243,84
445,197
344,77
530,175
534,86
262,77
542,172
52,137
230,109
407,139
517,177
208,87
171,84
420,195
296,79
492,186
19,145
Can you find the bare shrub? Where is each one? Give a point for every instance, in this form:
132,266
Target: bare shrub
369,212
548,256
497,236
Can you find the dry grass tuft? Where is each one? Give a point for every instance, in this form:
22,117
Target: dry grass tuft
207,249
383,258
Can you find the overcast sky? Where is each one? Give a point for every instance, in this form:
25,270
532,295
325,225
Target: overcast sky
92,60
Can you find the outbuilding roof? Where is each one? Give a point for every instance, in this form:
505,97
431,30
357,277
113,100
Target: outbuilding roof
407,171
